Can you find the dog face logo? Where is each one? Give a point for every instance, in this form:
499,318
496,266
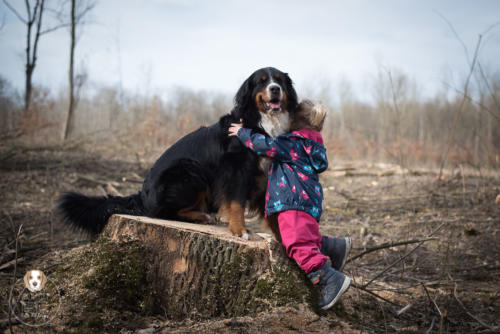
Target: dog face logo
34,280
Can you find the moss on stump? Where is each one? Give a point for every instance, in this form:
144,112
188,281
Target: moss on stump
144,266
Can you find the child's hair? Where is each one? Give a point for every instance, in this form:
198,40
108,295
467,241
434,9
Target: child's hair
309,115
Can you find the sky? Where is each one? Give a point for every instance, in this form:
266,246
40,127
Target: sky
155,46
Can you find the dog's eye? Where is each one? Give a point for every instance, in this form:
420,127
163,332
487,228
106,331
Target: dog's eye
38,277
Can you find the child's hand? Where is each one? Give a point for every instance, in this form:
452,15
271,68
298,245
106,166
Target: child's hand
233,130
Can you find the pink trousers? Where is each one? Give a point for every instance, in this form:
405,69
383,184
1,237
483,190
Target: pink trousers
301,238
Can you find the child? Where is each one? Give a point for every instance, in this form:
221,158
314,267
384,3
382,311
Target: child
295,195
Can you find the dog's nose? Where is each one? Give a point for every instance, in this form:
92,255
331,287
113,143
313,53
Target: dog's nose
35,283
275,90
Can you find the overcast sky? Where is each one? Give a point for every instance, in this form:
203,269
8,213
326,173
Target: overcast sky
156,45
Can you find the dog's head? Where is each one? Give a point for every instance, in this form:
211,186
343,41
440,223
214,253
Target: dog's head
34,280
266,95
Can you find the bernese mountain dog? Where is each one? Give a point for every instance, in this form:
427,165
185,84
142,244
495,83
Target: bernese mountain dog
205,172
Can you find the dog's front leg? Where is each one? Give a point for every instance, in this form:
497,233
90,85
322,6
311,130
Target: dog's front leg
235,213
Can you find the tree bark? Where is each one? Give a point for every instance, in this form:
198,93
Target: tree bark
31,54
69,116
205,271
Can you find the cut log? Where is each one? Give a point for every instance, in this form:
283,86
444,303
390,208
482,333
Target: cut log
203,271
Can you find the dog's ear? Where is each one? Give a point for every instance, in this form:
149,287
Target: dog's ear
292,99
243,97
26,279
43,280
244,106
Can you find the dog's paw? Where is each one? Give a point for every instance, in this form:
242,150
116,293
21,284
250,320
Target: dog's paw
247,235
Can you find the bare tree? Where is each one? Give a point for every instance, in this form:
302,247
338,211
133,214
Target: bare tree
76,19
33,20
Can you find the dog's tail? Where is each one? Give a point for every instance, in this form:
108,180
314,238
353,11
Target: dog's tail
90,214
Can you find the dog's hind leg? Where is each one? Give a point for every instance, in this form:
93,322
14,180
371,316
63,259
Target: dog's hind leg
198,211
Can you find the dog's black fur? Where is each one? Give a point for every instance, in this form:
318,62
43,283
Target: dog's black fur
204,172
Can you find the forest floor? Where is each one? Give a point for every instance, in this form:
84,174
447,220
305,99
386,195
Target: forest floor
446,279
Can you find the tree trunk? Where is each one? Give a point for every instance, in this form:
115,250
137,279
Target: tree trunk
31,54
69,116
204,270
29,68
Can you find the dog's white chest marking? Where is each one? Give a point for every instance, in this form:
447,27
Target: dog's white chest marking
275,125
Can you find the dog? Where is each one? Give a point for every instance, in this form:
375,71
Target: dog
205,172
34,280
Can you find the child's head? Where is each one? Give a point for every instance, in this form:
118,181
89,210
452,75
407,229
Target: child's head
309,115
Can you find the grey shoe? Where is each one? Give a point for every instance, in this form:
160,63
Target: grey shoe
332,284
337,249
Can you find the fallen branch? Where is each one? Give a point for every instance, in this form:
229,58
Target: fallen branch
10,263
109,186
362,288
388,245
96,181
403,257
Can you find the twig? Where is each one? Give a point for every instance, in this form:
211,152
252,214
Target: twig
14,275
393,264
362,288
112,190
402,258
388,245
433,320
460,108
430,299
404,309
470,99
16,13
481,322
433,302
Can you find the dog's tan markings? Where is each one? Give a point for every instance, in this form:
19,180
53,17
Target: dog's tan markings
259,100
235,213
197,211
277,76
263,78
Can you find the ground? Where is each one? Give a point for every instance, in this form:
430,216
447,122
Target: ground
450,282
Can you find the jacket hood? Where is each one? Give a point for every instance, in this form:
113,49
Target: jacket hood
313,147
310,134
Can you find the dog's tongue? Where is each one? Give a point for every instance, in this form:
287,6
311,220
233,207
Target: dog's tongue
274,105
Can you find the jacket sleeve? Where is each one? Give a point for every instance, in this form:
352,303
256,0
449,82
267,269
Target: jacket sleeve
263,145
318,158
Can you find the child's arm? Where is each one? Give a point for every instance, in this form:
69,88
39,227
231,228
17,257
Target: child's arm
260,143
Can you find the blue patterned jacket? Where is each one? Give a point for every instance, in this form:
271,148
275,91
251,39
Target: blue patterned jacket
298,157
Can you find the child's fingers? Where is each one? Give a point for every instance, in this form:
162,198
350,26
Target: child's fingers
233,131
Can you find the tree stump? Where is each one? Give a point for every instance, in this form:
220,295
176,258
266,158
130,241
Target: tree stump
202,271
